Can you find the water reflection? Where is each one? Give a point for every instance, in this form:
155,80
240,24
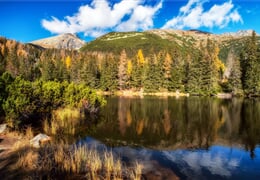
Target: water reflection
218,162
169,123
196,138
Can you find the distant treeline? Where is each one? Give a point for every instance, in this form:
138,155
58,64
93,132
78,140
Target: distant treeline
198,71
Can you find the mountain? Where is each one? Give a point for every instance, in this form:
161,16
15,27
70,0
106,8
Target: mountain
63,41
159,39
192,61
240,33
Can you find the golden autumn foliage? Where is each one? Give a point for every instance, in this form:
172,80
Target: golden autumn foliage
68,62
140,57
217,62
140,127
129,118
129,67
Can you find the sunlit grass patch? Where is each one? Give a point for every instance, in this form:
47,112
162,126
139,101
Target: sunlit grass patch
28,160
29,132
75,160
63,121
137,171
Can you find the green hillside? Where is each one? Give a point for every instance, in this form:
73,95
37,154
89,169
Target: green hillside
131,41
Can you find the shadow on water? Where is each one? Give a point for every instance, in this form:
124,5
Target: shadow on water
197,138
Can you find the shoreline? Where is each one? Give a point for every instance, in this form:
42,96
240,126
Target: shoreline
129,93
141,94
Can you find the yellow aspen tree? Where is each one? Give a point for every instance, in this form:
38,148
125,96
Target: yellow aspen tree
217,62
68,62
140,57
129,67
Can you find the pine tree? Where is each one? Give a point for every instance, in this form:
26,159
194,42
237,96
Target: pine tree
250,66
195,68
89,73
152,82
235,77
210,71
177,74
12,63
108,75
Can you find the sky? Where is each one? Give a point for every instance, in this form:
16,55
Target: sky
28,20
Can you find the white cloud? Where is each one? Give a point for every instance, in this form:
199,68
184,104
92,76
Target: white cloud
98,17
193,15
141,18
193,163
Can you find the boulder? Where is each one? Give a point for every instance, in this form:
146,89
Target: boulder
40,139
3,128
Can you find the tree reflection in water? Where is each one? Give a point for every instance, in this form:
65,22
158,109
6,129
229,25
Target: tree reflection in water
186,123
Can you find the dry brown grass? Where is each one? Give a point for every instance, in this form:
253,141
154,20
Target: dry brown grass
63,159
27,160
29,132
77,160
137,172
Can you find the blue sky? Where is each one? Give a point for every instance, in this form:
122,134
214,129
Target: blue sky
28,20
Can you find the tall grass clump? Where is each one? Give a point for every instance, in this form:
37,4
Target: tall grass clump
77,160
137,172
29,132
61,159
63,121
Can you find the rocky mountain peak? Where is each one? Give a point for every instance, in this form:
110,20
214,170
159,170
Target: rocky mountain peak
240,33
62,41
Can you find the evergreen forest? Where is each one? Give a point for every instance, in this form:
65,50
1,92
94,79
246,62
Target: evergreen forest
35,80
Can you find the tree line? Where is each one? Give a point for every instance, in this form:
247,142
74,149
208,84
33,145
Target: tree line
198,71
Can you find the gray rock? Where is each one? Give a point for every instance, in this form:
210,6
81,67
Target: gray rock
39,139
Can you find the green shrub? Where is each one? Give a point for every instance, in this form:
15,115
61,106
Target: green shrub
26,100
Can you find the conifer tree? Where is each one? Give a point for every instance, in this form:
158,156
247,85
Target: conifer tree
108,76
250,66
235,77
195,69
89,73
153,81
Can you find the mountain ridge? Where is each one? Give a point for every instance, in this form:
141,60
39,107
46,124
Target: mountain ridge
72,42
156,40
62,41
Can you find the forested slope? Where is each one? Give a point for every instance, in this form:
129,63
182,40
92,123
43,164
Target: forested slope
156,61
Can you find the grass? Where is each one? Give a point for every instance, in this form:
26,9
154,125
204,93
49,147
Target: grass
81,161
137,173
64,120
29,132
59,159
148,42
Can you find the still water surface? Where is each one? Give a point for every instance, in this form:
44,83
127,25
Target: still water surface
195,137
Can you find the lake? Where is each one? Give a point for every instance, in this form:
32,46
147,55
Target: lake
192,137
